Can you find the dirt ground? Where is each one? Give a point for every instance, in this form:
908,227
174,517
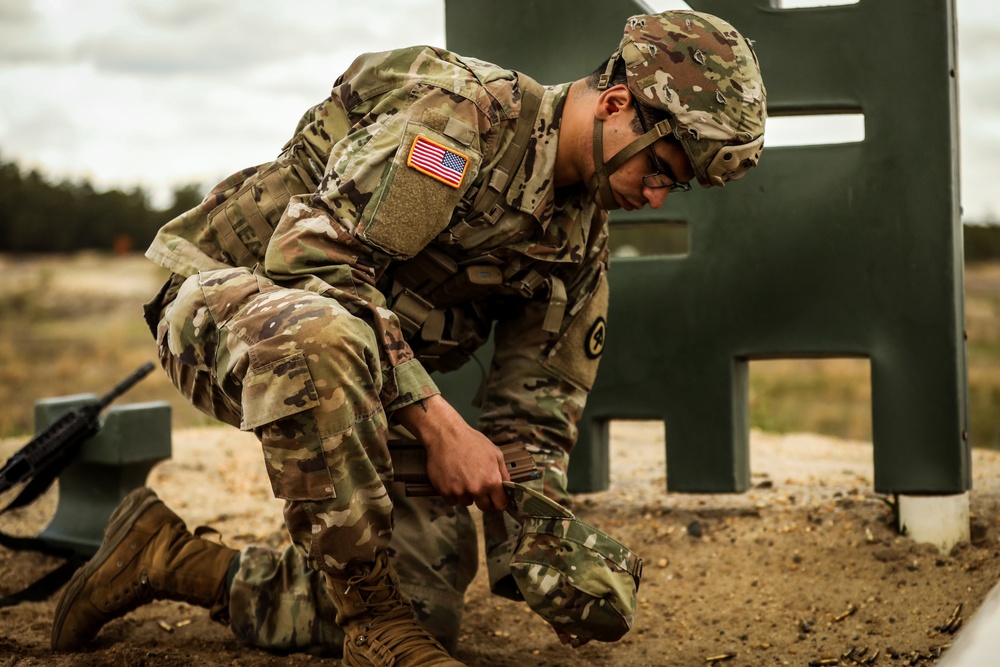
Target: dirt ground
805,569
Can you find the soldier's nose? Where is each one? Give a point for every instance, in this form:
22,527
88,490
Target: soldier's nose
655,196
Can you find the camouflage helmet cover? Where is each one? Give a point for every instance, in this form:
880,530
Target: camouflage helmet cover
705,75
581,581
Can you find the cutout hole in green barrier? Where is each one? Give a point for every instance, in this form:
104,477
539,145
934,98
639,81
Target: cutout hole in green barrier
804,4
815,129
651,239
657,6
638,445
829,396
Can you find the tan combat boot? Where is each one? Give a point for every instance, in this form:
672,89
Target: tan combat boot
377,619
147,554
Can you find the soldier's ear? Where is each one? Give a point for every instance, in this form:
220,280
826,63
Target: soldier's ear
611,101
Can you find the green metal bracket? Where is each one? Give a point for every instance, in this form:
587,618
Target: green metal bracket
133,438
822,251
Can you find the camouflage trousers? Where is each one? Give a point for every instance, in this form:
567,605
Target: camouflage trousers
278,602
303,374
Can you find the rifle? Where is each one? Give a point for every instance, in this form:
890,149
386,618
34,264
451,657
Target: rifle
49,452
409,465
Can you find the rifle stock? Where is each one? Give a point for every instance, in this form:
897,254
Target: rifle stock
409,466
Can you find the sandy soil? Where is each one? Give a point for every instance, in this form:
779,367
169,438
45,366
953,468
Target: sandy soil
806,569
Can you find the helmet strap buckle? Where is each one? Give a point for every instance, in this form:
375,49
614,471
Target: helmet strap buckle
605,79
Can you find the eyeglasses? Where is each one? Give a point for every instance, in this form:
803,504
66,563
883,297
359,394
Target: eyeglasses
664,176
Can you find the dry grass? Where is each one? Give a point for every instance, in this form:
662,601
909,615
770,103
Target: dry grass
71,325
828,396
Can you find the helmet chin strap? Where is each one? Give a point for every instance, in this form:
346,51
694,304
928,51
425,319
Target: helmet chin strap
599,184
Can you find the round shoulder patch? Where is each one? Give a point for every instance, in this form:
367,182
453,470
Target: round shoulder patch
594,343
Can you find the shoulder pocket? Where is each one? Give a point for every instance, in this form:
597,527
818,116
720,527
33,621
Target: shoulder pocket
415,201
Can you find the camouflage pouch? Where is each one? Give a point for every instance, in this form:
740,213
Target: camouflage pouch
581,581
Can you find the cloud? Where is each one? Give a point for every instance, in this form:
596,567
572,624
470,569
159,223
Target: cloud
169,92
167,55
204,38
979,46
184,37
22,34
17,11
179,14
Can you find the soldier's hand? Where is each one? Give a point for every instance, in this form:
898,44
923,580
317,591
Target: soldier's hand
463,464
468,469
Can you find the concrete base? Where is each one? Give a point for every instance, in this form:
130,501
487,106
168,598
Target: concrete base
939,520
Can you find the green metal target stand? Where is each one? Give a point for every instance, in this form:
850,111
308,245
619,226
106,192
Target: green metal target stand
841,250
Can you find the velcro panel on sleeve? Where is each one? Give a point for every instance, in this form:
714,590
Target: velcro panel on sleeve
576,355
415,201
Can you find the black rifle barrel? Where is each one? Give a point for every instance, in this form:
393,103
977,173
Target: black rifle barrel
125,385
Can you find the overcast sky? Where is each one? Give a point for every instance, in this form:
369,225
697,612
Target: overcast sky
162,93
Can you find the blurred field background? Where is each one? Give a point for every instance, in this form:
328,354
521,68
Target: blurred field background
72,323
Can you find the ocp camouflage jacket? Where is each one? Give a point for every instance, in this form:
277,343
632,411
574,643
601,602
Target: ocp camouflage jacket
373,202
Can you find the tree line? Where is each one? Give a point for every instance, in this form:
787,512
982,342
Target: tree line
38,215
982,242
41,216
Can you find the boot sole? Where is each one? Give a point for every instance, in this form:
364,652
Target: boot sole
131,508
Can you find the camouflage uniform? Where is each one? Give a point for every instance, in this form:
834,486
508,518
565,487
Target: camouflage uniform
304,307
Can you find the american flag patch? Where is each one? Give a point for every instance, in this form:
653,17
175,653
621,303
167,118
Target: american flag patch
437,161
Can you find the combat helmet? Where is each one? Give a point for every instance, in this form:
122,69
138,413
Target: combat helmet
704,74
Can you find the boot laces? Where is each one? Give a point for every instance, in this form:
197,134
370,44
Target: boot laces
394,628
399,637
